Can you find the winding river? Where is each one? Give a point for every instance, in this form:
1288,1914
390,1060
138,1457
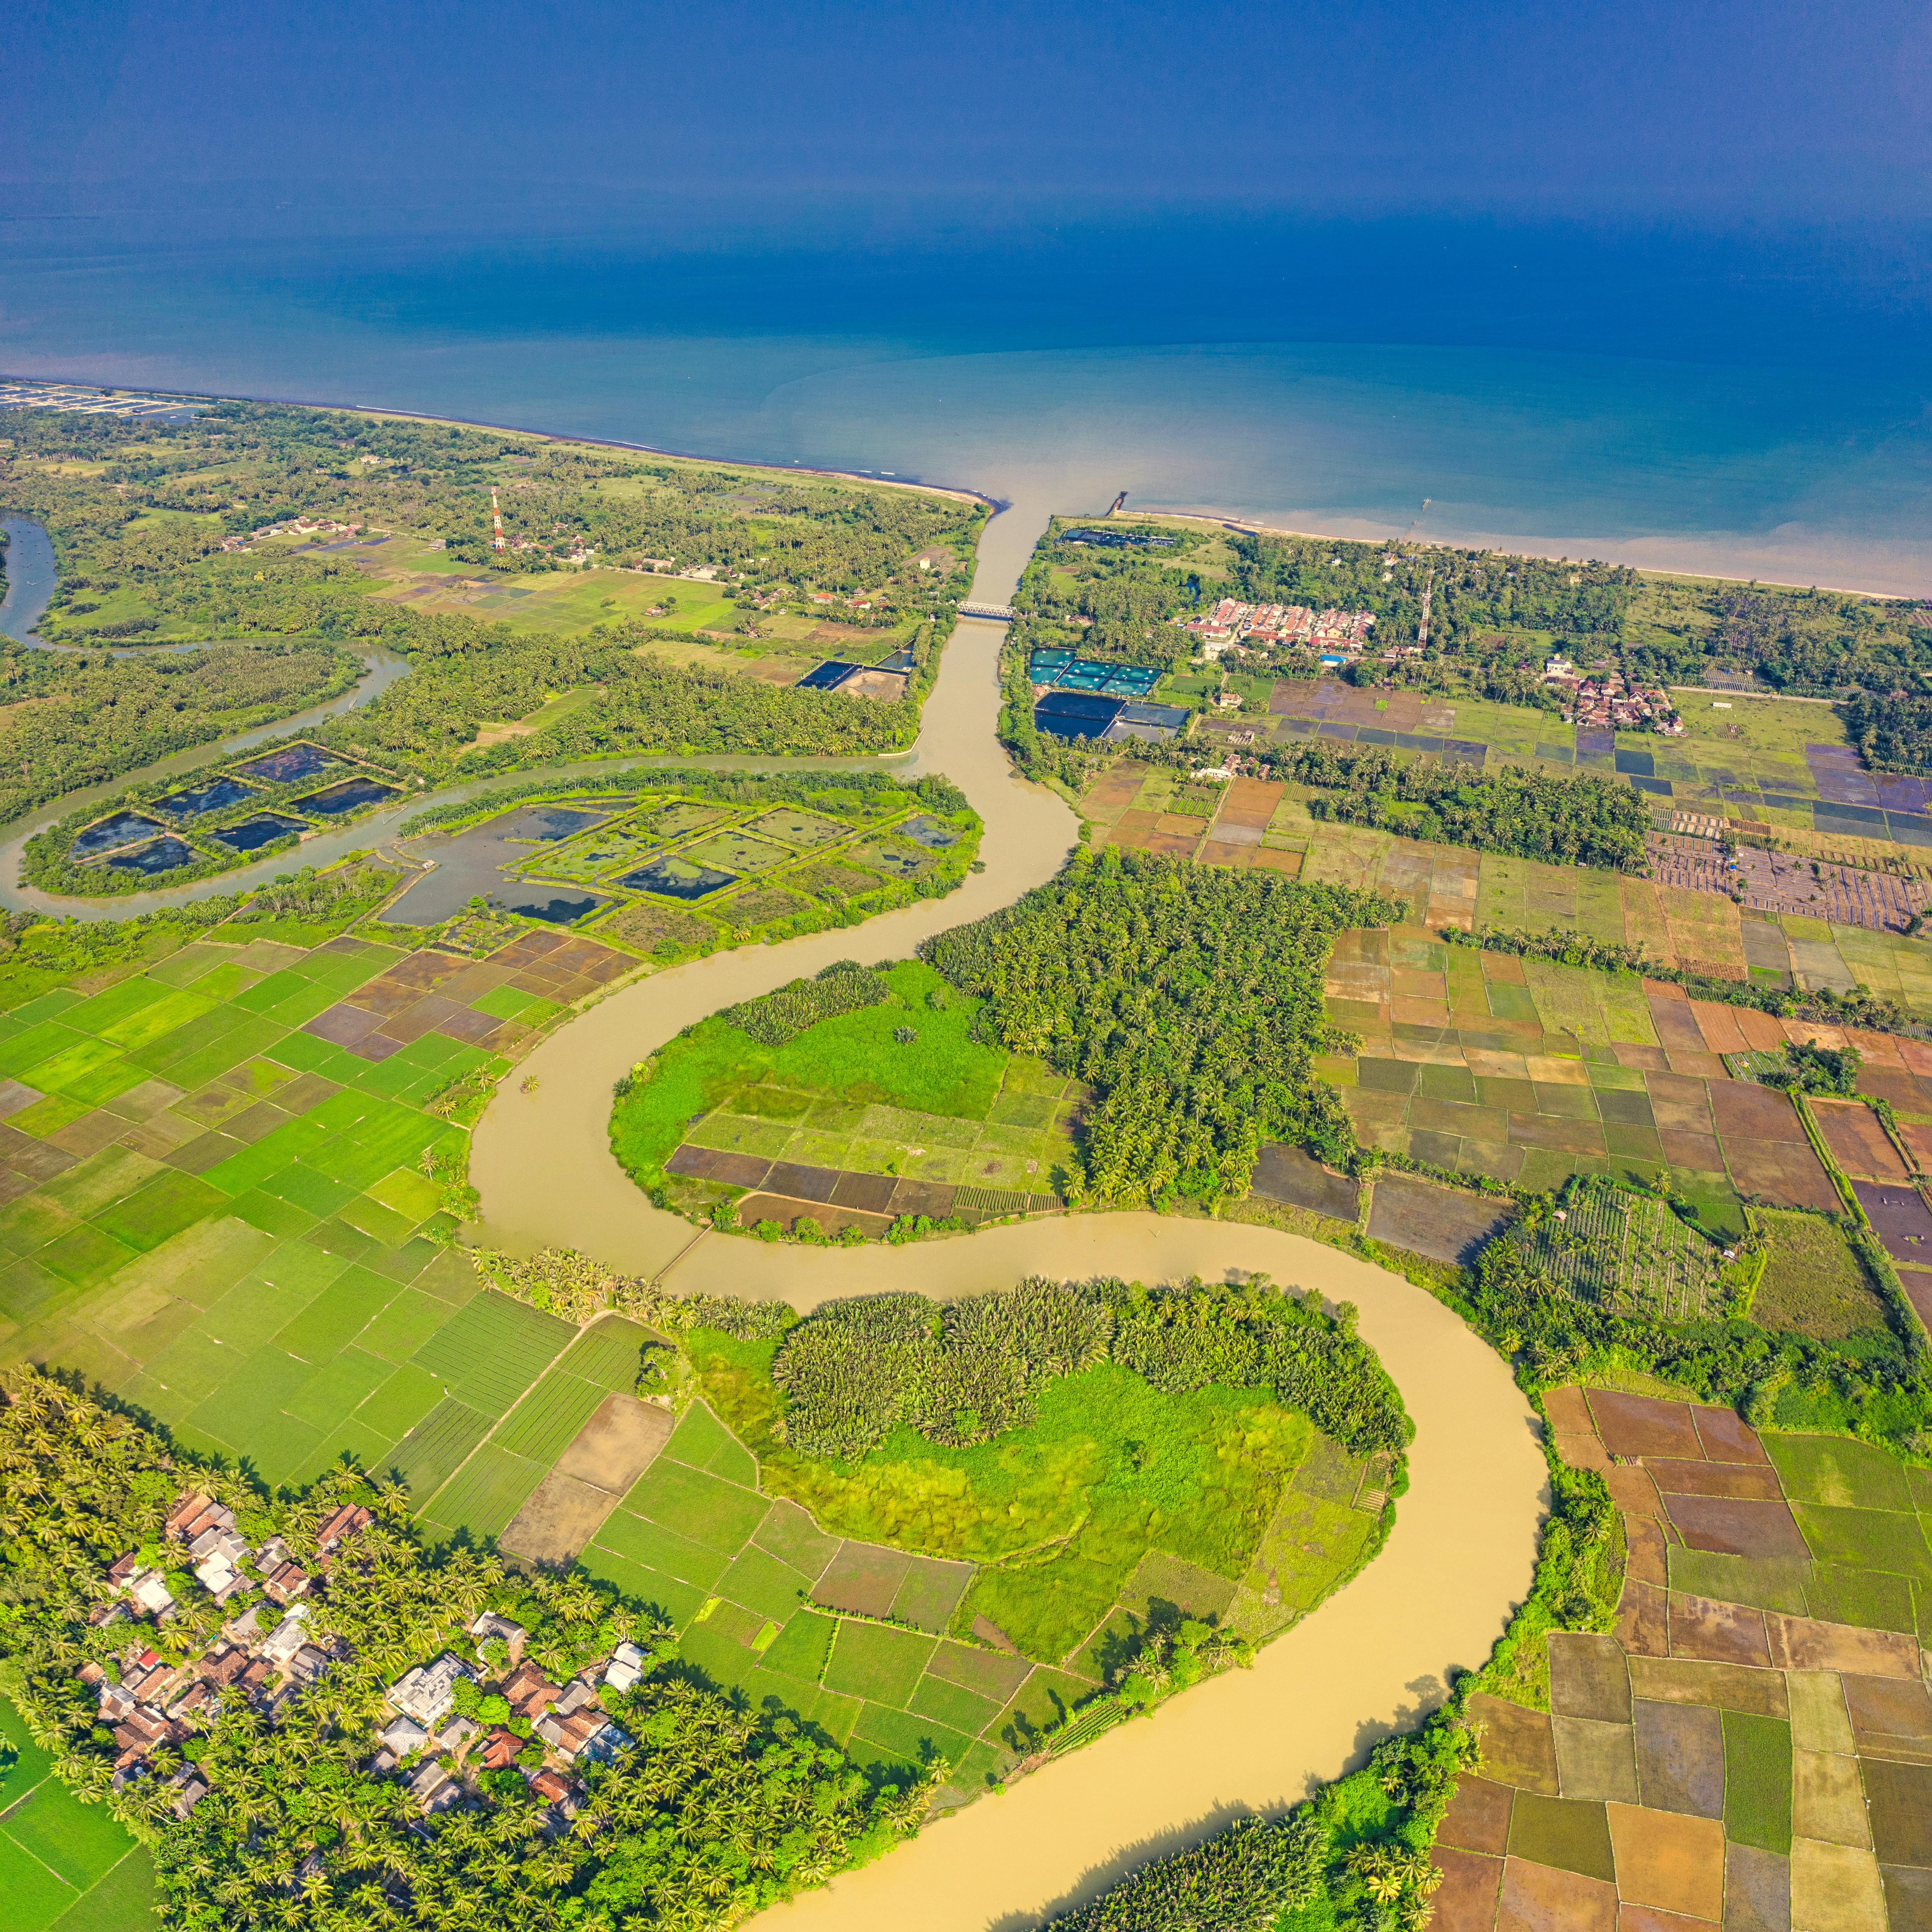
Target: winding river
1373,1659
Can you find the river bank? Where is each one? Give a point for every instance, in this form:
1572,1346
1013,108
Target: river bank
1376,1657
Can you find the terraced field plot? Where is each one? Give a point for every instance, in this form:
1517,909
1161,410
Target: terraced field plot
64,1866
1752,1745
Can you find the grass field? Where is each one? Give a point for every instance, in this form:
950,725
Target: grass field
846,1093
63,1864
1813,1283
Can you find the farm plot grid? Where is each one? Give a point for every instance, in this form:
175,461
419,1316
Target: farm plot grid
1022,1143
218,1204
1699,931
880,1646
1531,1071
1752,1742
66,1866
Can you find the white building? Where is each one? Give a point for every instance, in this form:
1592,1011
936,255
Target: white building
426,1693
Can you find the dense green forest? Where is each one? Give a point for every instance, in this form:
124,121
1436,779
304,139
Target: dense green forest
70,720
427,722
143,507
1892,730
965,1372
713,1813
1189,998
1583,821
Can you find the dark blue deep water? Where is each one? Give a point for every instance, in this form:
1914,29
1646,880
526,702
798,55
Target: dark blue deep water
1757,406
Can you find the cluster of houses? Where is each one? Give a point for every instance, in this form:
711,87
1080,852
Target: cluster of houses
1231,623
266,1654
298,526
439,1751
1603,701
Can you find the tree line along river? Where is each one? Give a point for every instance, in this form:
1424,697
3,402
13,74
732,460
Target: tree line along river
1375,1658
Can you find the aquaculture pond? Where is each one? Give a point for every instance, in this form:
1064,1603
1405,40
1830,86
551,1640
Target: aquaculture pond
213,795
162,855
678,879
252,834
349,796
105,834
290,764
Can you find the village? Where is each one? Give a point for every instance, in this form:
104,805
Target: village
1602,701
455,1721
1231,623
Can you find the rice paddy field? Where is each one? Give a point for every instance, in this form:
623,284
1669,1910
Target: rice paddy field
1253,823
850,1125
230,1184
1751,1743
64,1866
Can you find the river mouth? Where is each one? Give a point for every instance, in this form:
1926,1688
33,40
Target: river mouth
1374,1658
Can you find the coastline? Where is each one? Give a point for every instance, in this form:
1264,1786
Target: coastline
1627,551
1537,546
957,492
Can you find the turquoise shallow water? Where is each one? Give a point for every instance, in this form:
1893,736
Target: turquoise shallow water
1785,453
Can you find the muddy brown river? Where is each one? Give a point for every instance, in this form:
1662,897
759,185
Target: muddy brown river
1375,1658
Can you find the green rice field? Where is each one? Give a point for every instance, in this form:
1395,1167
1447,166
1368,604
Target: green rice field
63,1865
846,1093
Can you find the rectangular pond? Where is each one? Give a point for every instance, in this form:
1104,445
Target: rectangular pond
264,829
1062,668
678,879
349,796
290,765
827,676
1073,714
545,823
798,828
104,834
555,908
163,855
215,794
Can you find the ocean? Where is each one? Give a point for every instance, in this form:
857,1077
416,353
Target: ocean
1663,403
